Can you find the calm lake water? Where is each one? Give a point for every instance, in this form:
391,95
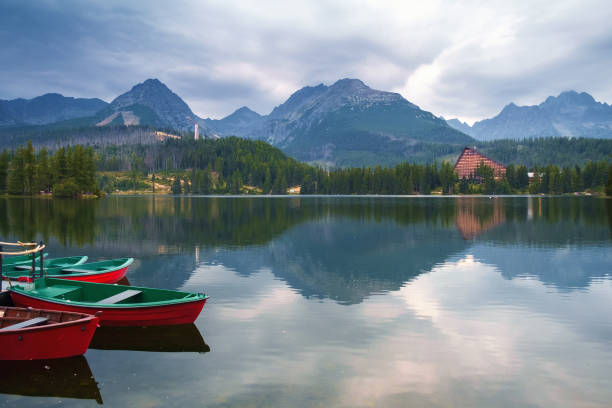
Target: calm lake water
339,301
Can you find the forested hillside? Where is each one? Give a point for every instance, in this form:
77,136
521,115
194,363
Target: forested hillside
237,166
66,173
71,133
560,151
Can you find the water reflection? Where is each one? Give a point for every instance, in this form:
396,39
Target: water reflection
609,207
475,216
181,338
60,378
342,260
326,247
356,301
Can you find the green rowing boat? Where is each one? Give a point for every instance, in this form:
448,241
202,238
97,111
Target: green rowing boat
48,264
110,271
120,305
19,259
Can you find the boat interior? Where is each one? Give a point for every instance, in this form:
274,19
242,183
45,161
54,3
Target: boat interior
75,291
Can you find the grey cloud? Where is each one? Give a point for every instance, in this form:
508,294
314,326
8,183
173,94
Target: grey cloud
222,55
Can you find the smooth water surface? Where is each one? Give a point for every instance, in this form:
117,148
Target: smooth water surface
339,301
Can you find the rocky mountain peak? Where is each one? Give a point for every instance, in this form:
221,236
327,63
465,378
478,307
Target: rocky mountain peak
153,94
298,99
569,98
349,84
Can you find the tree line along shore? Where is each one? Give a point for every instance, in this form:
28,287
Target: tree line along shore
239,166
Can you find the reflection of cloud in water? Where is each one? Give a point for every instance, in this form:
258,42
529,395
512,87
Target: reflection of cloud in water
460,335
277,297
481,340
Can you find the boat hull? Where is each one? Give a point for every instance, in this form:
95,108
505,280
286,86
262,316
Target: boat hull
104,277
59,340
159,315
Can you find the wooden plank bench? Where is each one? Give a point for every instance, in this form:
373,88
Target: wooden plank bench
27,323
126,294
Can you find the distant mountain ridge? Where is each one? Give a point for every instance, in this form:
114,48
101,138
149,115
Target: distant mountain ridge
343,124
569,114
47,108
236,123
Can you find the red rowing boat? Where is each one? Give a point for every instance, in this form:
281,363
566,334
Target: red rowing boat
34,334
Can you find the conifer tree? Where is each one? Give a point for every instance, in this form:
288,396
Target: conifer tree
176,186
267,185
91,184
4,167
609,183
522,178
43,179
206,186
59,165
16,175
29,163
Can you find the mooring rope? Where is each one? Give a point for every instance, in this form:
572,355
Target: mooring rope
26,252
19,243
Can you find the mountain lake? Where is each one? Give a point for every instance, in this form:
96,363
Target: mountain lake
338,301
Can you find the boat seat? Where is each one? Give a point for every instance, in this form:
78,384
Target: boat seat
126,294
23,267
27,323
76,270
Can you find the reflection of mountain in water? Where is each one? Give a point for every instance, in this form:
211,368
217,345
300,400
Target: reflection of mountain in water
609,206
164,271
344,248
346,260
564,268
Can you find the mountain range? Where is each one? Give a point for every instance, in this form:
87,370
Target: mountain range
343,124
570,114
347,123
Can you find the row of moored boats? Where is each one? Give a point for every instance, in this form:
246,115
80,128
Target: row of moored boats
57,304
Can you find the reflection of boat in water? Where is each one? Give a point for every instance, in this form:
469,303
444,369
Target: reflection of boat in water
5,298
61,378
124,281
185,337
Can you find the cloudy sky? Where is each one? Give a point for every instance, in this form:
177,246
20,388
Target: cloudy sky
463,59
